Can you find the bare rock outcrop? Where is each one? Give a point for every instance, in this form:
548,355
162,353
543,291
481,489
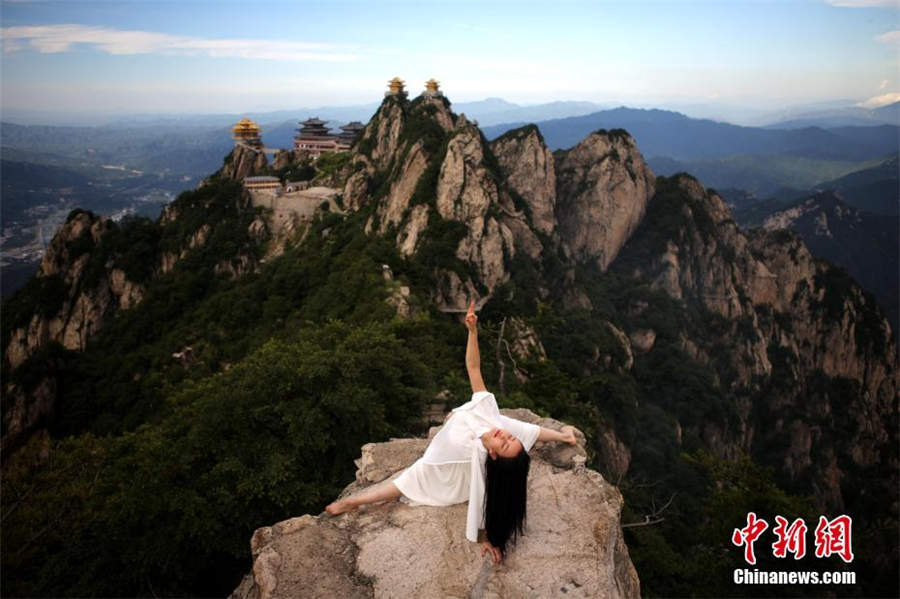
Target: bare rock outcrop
787,315
75,303
80,304
374,151
391,211
530,172
603,186
573,544
466,191
244,161
392,147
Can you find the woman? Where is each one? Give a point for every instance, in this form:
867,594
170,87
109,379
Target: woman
479,456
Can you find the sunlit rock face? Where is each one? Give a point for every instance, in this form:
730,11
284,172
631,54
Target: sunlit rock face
530,172
603,186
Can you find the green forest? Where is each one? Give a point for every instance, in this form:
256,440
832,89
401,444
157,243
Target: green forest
159,470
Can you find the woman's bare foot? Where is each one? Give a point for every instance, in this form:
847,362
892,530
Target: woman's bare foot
339,507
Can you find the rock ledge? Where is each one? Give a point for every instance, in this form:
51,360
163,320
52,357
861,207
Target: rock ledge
573,544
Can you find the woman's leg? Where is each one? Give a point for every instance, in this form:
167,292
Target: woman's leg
380,492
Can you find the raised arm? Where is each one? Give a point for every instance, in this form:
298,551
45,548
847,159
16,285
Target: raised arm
473,357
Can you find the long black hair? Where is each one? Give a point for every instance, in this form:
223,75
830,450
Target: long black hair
506,489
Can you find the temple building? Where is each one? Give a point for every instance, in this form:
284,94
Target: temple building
247,132
395,87
313,137
349,133
264,182
432,89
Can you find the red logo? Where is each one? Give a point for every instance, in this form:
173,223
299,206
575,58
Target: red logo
832,537
747,536
790,539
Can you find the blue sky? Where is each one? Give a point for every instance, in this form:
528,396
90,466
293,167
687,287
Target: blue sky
193,56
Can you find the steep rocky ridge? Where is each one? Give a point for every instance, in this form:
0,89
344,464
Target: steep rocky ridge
83,292
788,319
420,168
95,268
573,543
81,265
511,197
67,302
863,243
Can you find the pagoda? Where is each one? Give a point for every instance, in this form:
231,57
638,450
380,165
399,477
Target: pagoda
395,87
348,134
432,89
247,132
313,137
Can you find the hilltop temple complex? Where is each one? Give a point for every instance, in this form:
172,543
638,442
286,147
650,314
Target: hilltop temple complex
313,137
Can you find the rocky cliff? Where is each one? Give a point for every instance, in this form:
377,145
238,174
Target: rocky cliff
603,188
82,292
67,302
431,179
573,544
246,161
790,320
95,267
863,243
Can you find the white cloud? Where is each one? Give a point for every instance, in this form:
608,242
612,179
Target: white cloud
865,3
884,84
882,100
49,39
891,37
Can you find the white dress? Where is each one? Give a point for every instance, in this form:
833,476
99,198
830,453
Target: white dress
453,467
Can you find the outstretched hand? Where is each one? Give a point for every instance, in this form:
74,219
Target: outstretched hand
471,318
487,548
568,433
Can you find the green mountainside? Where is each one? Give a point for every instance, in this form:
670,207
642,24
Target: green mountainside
173,385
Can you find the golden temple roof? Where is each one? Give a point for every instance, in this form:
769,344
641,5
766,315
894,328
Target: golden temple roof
396,85
246,128
432,85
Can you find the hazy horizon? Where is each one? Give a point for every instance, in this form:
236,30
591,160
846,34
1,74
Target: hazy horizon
126,58
744,115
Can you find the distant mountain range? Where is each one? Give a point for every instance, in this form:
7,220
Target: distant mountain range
873,189
489,111
851,116
765,162
674,135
